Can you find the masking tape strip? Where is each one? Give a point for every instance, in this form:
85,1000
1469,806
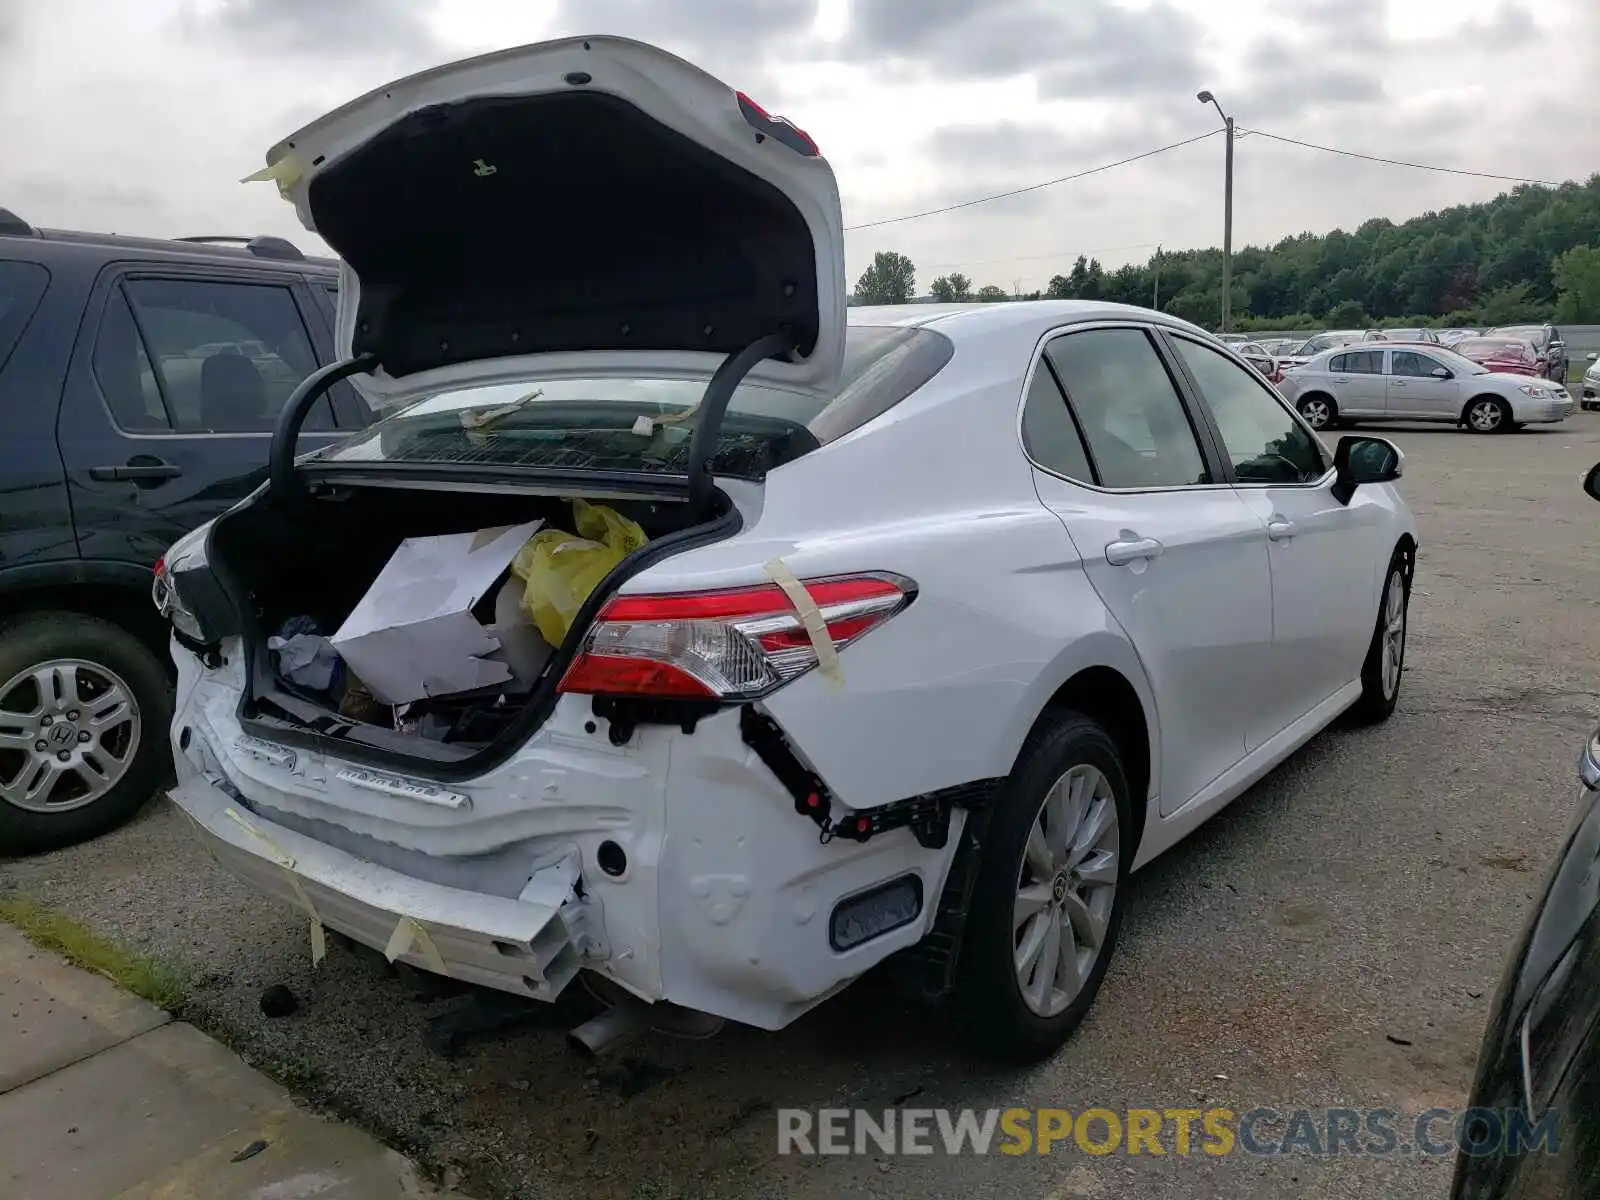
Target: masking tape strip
286,172
319,937
409,932
816,628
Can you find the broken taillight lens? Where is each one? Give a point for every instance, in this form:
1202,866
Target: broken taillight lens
735,644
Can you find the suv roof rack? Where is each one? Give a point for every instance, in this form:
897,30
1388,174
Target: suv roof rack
12,224
261,247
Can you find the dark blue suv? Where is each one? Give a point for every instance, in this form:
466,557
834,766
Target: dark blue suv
139,383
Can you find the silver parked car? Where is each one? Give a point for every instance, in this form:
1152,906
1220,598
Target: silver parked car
1382,382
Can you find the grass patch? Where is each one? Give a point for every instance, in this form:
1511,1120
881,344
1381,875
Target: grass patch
162,984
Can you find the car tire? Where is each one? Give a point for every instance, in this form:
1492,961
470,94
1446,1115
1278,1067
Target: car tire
1070,768
1384,666
111,692
1319,411
1476,415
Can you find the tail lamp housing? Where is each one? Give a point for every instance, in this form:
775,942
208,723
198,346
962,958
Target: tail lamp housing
728,646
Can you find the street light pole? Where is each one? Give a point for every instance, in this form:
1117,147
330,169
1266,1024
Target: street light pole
1227,208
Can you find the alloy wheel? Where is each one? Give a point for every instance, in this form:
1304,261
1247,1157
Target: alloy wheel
1066,888
1316,413
69,730
1484,416
1393,638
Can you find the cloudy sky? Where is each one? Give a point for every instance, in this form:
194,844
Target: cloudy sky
141,118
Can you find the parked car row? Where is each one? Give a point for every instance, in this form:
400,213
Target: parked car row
1393,382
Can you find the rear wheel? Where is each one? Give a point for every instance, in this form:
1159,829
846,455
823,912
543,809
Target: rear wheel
1487,414
84,707
1319,411
1048,900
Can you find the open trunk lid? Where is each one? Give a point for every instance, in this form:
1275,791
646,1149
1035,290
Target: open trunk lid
585,205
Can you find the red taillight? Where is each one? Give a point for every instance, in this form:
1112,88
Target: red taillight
781,128
735,644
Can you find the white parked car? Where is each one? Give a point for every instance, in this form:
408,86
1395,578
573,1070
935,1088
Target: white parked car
1417,383
949,618
1590,387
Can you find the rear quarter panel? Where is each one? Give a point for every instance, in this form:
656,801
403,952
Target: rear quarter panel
936,490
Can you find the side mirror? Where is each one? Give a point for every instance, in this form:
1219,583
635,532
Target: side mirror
1591,357
1442,373
1591,482
1358,460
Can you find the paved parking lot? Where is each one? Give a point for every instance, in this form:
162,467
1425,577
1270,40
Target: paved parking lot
1332,939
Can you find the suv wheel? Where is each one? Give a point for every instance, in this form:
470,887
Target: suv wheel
1048,900
84,708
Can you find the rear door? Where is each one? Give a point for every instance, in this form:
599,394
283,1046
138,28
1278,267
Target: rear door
1174,553
35,339
1416,392
1320,551
175,384
1358,381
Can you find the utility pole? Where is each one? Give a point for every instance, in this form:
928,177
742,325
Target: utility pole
1227,208
1155,290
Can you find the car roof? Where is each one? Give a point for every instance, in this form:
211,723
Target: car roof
264,251
1010,315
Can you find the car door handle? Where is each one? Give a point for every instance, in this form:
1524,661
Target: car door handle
136,471
1120,554
1397,383
1280,529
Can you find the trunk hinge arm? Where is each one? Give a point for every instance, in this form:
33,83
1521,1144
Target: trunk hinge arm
714,405
286,432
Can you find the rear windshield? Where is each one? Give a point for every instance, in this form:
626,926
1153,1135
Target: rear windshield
644,424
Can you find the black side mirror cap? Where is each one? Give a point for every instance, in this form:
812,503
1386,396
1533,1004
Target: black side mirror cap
1591,482
1358,460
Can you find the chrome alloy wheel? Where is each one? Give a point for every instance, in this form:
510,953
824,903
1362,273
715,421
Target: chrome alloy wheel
1393,638
1065,889
69,730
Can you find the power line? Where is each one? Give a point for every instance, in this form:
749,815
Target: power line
1058,254
1396,162
1034,187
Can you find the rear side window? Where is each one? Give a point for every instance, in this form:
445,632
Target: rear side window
1128,408
1359,362
21,286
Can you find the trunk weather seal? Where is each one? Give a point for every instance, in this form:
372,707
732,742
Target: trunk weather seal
286,432
714,406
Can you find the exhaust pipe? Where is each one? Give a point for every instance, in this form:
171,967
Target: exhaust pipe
599,1034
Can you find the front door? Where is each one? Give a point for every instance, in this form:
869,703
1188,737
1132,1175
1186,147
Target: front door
1322,617
175,385
1417,393
1178,560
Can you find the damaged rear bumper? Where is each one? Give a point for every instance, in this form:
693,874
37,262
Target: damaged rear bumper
530,946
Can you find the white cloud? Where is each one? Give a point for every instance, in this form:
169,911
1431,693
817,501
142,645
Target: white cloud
142,118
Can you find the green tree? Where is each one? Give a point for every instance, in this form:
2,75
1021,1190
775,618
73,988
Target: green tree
891,279
990,294
1347,314
1577,276
954,288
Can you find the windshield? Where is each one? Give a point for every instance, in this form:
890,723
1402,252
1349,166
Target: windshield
1329,341
631,423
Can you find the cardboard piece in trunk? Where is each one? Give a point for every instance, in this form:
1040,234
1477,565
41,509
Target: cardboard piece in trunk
413,635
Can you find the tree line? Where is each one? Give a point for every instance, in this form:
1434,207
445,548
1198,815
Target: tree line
1530,254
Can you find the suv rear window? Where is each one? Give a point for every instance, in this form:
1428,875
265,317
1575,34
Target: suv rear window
599,423
21,285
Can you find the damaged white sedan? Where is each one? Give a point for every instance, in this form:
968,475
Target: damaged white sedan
920,629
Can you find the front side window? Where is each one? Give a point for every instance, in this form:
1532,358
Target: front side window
224,356
1128,408
1411,365
1263,441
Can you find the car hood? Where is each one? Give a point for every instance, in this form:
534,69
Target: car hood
586,205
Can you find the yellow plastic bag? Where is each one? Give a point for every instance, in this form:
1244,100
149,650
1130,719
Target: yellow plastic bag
560,569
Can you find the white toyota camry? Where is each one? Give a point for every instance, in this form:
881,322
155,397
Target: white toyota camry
948,618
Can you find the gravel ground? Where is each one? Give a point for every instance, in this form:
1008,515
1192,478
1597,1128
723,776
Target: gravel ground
1333,938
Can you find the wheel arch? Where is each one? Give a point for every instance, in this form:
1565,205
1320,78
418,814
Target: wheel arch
115,592
1108,695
